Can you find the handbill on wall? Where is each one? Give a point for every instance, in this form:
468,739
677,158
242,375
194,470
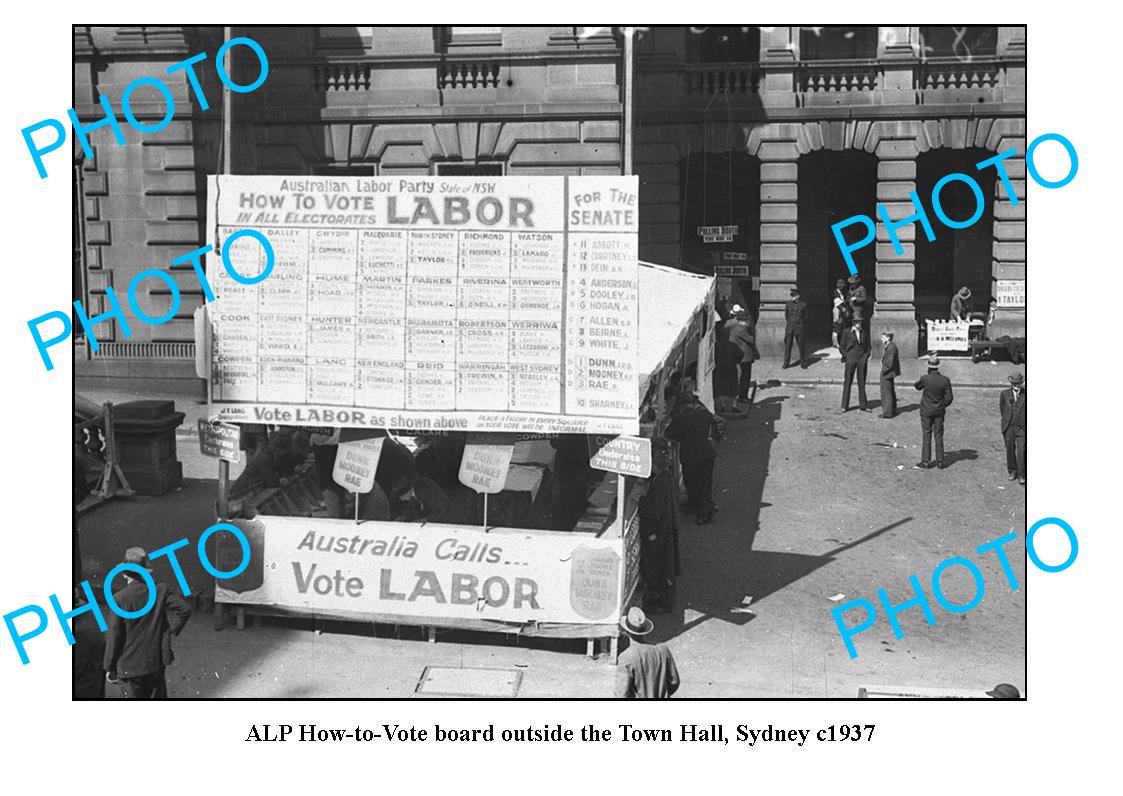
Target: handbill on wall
503,304
433,571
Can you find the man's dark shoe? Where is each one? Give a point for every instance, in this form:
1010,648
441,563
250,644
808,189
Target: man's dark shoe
1013,476
803,365
1022,481
866,409
921,466
940,464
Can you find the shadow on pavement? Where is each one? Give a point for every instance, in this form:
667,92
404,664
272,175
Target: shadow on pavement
720,566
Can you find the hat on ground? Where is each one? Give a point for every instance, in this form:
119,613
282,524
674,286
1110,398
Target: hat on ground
137,556
1004,691
636,622
854,278
1017,378
933,361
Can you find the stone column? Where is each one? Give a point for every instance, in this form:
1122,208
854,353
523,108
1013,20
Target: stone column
779,189
779,50
1009,249
1012,46
896,177
897,48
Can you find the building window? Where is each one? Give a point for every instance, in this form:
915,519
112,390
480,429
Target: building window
453,38
725,44
958,41
837,43
492,168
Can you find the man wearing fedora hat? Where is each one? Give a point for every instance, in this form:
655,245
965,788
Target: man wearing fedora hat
644,671
137,651
1012,408
855,358
793,329
934,401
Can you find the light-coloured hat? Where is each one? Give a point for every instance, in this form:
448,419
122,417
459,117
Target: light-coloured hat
636,622
138,556
1017,378
933,361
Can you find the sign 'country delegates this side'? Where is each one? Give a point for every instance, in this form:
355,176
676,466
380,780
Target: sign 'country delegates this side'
497,304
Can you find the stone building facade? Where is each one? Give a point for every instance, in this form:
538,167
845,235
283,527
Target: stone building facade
783,131
337,101
777,131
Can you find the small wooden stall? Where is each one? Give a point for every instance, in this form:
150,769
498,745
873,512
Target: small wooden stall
554,578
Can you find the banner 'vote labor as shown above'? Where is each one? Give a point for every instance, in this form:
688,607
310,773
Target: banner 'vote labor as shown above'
497,304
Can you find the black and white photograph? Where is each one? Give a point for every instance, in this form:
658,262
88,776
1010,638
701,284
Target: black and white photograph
437,394
551,361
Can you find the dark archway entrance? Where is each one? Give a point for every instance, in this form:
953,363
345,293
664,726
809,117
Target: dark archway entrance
723,189
957,257
832,186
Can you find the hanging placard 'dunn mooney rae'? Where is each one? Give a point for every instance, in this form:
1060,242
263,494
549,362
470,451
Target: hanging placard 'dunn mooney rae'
498,304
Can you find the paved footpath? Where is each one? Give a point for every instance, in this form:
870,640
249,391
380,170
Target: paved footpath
813,504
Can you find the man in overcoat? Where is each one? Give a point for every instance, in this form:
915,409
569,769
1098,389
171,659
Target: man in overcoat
1012,408
890,370
139,650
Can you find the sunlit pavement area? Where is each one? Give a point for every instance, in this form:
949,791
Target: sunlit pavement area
813,505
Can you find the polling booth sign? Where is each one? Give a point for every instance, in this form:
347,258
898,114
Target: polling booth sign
426,304
433,574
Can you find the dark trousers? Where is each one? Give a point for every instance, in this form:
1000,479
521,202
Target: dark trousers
888,397
698,478
147,686
745,378
858,367
798,337
932,426
1015,451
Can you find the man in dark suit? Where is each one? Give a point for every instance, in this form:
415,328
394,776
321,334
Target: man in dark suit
855,356
934,400
890,369
137,651
1012,406
692,428
793,329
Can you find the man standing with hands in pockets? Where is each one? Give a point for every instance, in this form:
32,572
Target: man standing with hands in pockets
855,357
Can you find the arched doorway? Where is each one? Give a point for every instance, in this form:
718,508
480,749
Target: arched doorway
957,257
833,185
